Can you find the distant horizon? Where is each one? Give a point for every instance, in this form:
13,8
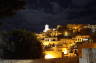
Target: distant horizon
36,28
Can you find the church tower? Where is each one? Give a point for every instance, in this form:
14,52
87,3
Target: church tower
46,28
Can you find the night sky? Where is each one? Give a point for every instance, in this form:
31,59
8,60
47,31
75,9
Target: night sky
37,13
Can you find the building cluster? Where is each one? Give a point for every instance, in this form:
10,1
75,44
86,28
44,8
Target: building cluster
66,38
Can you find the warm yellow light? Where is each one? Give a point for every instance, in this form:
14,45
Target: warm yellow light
48,56
65,51
75,27
66,33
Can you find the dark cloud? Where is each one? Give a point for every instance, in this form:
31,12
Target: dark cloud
81,3
81,11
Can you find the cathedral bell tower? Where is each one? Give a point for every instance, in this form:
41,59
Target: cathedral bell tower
46,28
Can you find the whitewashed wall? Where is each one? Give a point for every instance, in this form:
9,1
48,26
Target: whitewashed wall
88,55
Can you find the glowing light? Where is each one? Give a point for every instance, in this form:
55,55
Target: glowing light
48,56
46,28
85,39
65,51
54,29
66,33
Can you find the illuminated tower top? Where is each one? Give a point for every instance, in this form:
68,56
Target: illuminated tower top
46,28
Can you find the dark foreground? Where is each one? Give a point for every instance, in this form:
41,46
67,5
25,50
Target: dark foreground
61,60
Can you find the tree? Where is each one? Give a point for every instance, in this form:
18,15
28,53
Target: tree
21,44
9,7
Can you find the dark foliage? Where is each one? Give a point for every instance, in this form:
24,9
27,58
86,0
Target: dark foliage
21,45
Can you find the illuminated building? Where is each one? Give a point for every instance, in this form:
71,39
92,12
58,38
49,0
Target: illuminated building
92,27
61,39
75,27
80,38
46,28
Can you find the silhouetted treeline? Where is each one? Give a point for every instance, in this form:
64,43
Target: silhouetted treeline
21,44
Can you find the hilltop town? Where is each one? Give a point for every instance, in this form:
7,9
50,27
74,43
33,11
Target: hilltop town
68,40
